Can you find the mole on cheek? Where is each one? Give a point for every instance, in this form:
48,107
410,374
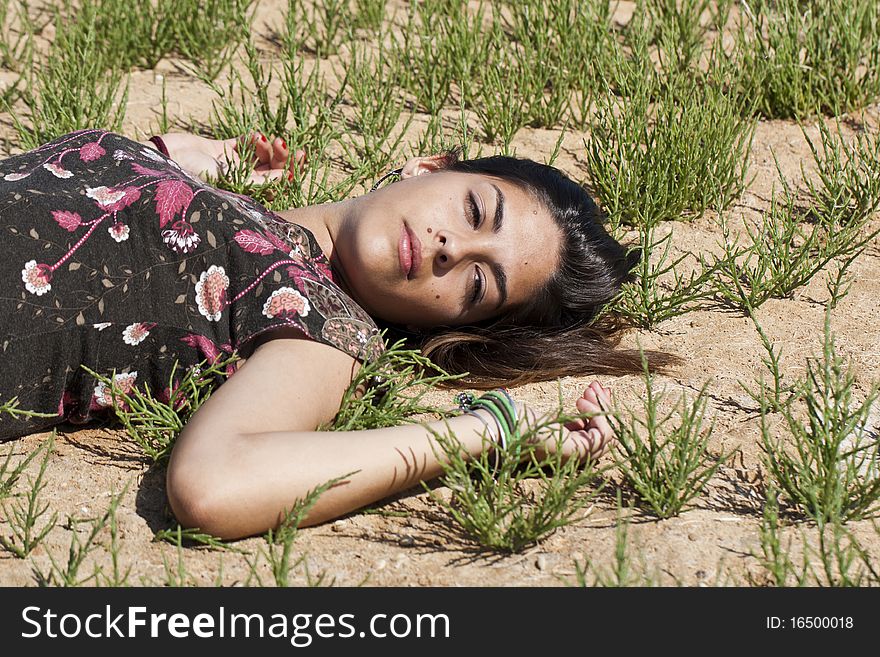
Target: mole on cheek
437,297
429,230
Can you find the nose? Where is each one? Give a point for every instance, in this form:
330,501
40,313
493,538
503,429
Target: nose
449,250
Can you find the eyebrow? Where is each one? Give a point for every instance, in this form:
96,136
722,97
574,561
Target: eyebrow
498,268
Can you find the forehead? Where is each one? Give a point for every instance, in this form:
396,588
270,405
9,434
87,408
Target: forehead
530,241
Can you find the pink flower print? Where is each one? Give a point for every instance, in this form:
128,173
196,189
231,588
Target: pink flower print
286,302
129,196
119,232
57,170
91,151
121,155
181,237
103,398
211,292
136,333
105,196
67,220
12,177
36,277
102,325
172,196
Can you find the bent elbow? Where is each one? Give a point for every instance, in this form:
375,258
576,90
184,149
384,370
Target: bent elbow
195,494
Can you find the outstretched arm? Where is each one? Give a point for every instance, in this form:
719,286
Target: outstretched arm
251,451
208,158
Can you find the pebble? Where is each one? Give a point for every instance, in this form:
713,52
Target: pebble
338,526
380,565
407,541
541,562
399,560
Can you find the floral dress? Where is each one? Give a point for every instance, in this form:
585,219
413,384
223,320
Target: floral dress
115,259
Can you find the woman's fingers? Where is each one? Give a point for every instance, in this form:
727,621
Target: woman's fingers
600,422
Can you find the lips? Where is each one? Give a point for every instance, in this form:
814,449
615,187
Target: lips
409,251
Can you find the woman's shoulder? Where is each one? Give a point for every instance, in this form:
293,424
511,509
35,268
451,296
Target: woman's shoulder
305,294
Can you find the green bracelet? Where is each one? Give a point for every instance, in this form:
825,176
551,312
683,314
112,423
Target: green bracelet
500,405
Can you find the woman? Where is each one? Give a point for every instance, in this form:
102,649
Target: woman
118,257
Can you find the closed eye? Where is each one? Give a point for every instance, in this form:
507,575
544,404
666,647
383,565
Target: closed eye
474,212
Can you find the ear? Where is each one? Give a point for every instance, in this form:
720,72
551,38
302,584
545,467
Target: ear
416,166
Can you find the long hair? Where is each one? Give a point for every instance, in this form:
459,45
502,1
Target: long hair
566,329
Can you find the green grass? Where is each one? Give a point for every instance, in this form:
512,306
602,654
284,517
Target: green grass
804,57
73,86
390,390
664,458
23,516
623,571
836,560
10,474
653,298
277,553
154,424
85,534
529,495
824,465
790,244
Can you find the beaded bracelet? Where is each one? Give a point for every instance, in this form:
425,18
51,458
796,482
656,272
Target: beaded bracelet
500,406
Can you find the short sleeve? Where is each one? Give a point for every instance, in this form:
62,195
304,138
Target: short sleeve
293,286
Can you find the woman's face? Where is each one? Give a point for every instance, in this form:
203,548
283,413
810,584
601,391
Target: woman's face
445,248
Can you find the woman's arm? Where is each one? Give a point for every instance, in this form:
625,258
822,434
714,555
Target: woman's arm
207,158
251,451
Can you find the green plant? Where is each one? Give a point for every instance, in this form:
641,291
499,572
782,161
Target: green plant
23,518
389,390
377,122
647,300
622,572
369,14
802,57
207,32
780,255
831,470
179,534
665,460
838,560
117,575
74,86
279,541
154,424
16,44
9,475
668,150
775,558
11,408
781,393
326,24
844,562
498,507
68,573
682,28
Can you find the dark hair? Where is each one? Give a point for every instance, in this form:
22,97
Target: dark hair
565,329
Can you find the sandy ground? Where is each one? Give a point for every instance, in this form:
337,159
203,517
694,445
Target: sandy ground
407,541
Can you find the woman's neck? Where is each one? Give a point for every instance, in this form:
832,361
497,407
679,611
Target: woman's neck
324,222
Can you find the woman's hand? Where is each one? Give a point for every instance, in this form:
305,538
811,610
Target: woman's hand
209,158
582,438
